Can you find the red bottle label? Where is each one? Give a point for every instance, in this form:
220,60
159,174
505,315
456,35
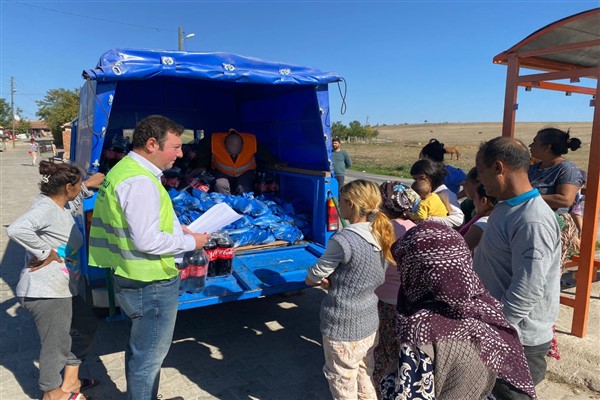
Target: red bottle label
225,253
184,273
198,271
212,255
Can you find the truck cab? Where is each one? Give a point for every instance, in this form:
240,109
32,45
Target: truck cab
285,106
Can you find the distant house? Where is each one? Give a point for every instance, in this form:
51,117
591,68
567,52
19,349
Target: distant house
39,128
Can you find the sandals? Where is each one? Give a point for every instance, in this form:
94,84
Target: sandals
87,383
74,396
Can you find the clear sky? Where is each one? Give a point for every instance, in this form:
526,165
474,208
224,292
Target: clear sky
404,61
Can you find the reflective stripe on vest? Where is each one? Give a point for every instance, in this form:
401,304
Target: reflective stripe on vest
110,244
221,160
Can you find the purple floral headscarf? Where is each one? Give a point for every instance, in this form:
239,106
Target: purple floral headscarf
442,298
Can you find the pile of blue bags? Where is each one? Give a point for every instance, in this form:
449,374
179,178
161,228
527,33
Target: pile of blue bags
264,219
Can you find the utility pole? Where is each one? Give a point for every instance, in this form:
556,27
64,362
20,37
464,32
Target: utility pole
180,32
12,107
182,38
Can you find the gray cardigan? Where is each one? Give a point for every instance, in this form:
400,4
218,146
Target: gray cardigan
354,264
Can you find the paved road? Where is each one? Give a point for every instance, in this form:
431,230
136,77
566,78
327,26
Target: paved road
256,349
379,179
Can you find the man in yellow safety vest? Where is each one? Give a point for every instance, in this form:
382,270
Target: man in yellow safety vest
135,232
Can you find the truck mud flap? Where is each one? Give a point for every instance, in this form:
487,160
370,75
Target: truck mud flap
258,273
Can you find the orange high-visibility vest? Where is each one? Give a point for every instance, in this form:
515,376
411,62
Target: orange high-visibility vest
221,160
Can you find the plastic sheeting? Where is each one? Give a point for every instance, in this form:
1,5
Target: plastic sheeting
134,64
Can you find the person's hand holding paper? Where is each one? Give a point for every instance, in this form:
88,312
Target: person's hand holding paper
217,217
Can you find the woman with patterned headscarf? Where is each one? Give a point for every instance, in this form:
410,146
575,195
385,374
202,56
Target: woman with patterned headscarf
455,341
397,203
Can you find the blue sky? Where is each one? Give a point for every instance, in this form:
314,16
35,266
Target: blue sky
404,61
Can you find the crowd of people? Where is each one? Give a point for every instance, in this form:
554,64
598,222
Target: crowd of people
466,307
426,297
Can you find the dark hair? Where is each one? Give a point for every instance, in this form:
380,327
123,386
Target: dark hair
434,150
157,127
510,151
472,175
482,193
56,176
335,139
434,171
560,141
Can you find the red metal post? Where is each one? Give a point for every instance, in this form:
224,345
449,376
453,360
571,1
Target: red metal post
510,96
581,308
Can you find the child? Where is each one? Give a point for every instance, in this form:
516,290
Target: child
397,203
352,268
431,204
576,210
468,193
473,230
33,150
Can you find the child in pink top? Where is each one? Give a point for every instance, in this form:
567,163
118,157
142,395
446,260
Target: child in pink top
397,203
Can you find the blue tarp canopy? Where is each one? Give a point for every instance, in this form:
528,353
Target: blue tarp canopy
135,64
285,106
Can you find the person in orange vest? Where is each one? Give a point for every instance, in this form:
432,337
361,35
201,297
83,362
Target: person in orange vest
232,158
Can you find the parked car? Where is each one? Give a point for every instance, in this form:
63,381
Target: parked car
44,146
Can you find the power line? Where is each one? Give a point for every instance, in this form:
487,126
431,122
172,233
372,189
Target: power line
154,28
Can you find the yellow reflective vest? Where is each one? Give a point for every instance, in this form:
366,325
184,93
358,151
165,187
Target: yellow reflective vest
110,244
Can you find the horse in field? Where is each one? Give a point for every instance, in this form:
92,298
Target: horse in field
452,151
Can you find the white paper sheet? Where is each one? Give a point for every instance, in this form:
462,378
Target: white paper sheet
215,218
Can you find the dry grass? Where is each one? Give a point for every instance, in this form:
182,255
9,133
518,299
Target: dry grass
407,141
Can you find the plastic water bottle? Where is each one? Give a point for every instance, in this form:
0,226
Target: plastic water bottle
198,265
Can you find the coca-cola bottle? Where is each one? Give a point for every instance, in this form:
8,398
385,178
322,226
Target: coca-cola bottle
224,256
198,265
211,252
184,273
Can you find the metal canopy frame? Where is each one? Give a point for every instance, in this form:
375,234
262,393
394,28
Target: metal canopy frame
566,49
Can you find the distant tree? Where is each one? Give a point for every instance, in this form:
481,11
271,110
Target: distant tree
371,132
24,125
5,117
356,129
339,130
58,107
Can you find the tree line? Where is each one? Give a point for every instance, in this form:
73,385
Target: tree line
354,129
58,107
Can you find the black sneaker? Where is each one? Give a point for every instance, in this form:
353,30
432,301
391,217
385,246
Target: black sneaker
170,398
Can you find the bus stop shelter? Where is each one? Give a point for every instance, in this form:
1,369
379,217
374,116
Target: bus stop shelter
568,49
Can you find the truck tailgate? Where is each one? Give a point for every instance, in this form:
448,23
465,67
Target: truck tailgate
258,273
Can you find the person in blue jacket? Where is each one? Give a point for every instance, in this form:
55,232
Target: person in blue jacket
434,151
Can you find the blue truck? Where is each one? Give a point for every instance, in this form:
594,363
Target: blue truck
285,106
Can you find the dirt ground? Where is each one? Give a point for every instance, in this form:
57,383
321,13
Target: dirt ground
405,142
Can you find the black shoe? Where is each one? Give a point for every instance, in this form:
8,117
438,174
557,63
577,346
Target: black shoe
170,398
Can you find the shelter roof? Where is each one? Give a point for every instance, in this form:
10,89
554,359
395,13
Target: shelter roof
569,43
